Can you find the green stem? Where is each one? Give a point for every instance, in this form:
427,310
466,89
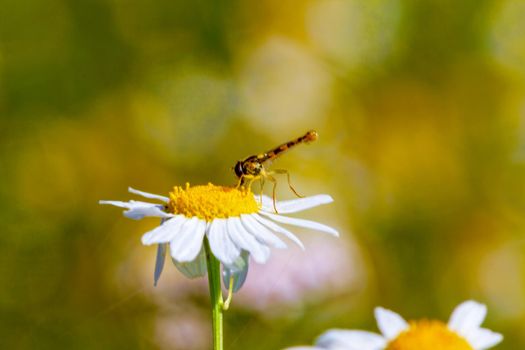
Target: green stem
214,281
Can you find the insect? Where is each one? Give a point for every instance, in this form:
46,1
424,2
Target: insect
252,168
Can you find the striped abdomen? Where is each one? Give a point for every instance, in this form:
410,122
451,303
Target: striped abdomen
274,153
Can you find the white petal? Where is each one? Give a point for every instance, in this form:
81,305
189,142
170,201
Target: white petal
467,317
351,340
195,268
294,205
482,339
138,210
148,195
304,348
159,262
260,232
243,239
301,223
238,270
185,245
276,228
220,243
165,232
389,323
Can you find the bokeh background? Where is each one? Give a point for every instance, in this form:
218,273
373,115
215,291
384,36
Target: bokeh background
420,107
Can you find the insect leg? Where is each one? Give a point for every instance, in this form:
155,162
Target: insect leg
274,181
283,171
262,186
252,179
240,182
243,178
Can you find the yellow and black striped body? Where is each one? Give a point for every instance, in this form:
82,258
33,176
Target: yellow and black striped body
276,152
252,166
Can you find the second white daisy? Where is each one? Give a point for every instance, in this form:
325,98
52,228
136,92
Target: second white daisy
463,332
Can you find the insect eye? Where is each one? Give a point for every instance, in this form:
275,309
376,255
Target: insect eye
238,169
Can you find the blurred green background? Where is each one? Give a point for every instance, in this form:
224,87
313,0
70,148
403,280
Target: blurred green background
420,107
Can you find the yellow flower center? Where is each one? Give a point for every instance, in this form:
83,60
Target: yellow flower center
428,335
210,202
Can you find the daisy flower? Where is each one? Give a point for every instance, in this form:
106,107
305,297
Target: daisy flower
463,332
236,224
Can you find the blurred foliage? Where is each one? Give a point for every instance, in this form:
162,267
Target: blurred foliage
421,110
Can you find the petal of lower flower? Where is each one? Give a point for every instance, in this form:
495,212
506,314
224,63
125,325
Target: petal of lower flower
389,322
467,317
350,340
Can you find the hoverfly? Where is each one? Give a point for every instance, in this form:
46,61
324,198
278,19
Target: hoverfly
252,168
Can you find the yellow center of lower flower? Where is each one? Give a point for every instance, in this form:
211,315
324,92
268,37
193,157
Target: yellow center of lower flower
428,335
210,202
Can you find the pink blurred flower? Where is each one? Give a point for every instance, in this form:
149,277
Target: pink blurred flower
325,266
